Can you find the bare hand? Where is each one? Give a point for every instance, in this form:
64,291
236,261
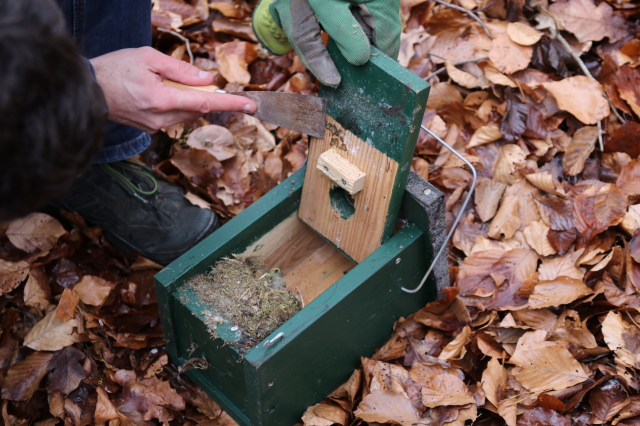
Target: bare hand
131,80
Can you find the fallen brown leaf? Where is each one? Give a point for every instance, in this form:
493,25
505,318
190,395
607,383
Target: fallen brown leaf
623,338
546,366
24,377
598,208
67,305
588,22
487,198
578,150
446,389
12,274
509,57
51,333
581,96
560,291
93,290
384,406
37,231
325,415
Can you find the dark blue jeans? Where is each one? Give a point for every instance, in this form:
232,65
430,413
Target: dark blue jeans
103,26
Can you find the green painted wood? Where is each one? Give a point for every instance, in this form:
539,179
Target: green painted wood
323,342
382,103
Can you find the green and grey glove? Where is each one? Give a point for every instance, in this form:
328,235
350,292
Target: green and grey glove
282,25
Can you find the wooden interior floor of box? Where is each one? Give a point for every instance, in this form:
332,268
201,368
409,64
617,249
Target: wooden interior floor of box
309,264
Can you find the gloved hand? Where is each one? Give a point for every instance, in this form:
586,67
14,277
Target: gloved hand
282,25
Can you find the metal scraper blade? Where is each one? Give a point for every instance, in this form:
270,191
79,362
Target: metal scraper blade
300,113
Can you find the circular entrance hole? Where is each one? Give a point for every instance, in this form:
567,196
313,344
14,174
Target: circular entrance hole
342,202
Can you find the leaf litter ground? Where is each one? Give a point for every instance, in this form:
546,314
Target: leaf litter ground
242,291
540,326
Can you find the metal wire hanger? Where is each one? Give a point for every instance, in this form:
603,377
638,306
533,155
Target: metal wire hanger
443,248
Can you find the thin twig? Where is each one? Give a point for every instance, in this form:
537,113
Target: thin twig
468,12
183,38
456,64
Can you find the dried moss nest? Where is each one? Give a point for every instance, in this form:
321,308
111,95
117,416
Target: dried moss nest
246,293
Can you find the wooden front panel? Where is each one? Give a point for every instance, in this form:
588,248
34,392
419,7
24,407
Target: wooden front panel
360,233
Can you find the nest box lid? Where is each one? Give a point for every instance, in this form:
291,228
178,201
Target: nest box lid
356,175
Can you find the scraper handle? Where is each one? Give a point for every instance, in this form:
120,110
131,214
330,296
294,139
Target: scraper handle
209,88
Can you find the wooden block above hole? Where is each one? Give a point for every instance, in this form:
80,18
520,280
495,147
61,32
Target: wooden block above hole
342,171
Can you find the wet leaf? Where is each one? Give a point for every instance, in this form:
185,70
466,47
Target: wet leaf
67,371
608,399
542,417
24,377
37,231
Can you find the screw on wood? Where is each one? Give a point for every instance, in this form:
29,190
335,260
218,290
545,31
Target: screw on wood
455,222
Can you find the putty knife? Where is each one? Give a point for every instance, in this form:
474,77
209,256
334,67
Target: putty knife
300,113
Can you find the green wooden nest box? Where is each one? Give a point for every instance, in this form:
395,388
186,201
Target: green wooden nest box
337,243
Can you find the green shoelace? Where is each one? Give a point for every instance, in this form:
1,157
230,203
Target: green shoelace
117,171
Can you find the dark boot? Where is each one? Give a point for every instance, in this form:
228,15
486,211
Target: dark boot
138,211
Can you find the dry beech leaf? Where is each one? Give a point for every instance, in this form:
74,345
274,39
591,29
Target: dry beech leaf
581,96
590,23
216,140
629,180
487,198
93,290
509,57
24,377
485,134
105,410
523,34
150,394
37,291
504,168
546,366
12,274
496,77
443,94
464,414
560,291
52,334
631,220
536,235
234,59
579,149
446,389
460,77
545,182
598,208
325,415
506,221
385,406
38,231
623,338
456,348
67,305
494,383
